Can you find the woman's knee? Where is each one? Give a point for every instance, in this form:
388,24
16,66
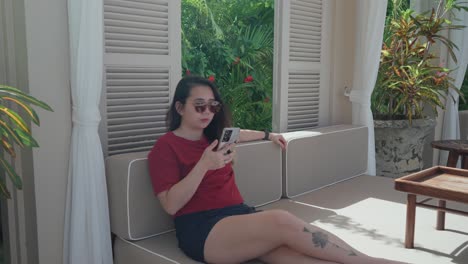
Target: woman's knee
283,220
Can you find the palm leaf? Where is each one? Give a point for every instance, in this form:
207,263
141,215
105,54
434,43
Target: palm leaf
31,113
26,138
15,118
3,190
8,132
15,179
8,147
16,93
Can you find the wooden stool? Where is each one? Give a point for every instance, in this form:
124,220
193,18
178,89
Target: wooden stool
456,148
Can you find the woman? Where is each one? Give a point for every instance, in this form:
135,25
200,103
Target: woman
195,183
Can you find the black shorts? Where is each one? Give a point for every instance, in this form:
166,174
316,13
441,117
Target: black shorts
193,229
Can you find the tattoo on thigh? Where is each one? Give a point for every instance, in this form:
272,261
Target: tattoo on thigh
321,240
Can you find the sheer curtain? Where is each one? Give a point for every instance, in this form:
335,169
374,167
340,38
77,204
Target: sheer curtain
87,229
369,35
451,123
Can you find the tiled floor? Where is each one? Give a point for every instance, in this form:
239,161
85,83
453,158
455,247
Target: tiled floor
370,215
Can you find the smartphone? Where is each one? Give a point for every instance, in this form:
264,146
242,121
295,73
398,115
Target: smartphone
229,135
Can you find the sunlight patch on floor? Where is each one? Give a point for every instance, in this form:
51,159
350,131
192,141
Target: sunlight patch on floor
377,227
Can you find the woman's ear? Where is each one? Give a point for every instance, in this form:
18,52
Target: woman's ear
179,107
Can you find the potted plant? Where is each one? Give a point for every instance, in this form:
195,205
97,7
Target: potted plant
409,80
15,131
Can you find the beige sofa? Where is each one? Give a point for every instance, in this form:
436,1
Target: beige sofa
144,232
319,178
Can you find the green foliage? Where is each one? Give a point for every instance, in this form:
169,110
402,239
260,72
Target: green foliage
232,41
408,80
464,89
15,130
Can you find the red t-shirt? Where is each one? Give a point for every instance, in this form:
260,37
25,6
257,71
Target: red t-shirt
173,157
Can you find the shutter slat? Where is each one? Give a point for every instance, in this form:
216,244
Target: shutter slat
135,37
120,108
303,100
136,27
136,95
309,3
305,26
128,127
136,51
137,100
162,6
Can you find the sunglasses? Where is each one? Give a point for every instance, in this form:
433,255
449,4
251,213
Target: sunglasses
213,106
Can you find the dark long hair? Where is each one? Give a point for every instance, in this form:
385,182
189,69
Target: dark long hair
220,120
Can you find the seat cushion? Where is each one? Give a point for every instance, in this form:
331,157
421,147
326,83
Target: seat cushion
160,249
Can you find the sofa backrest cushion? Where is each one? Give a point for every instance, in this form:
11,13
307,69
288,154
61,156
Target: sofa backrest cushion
135,211
320,157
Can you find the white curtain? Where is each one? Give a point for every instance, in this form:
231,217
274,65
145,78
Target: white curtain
369,34
450,122
87,229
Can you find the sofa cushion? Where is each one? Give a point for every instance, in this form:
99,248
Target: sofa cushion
135,212
319,157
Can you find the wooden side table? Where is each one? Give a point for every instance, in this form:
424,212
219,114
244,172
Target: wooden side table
456,149
437,182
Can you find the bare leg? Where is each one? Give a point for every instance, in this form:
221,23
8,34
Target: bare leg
243,237
283,255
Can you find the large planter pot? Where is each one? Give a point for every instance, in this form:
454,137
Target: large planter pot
399,146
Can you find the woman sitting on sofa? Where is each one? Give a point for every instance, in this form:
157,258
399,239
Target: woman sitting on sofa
195,183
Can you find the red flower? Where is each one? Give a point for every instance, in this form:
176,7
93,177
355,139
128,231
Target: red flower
211,78
236,61
266,100
187,72
248,79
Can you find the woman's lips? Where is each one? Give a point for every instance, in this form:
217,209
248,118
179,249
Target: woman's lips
205,120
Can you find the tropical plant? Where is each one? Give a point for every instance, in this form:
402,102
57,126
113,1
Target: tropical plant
464,89
231,43
409,77
15,131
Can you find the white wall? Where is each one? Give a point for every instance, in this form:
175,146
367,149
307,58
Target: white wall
342,61
48,67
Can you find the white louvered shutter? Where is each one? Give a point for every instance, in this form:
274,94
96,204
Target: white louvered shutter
301,91
142,65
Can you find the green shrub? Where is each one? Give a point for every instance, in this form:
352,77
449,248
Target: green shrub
231,43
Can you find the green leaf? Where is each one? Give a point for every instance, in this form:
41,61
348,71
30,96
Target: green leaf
26,138
16,93
8,132
15,118
26,108
3,190
8,169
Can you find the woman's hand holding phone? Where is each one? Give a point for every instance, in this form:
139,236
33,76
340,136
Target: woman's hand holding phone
215,159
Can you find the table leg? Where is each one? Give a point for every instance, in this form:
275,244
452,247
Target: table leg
410,220
464,164
452,159
441,216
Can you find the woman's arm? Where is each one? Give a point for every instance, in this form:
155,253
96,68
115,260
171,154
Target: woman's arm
180,193
251,135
